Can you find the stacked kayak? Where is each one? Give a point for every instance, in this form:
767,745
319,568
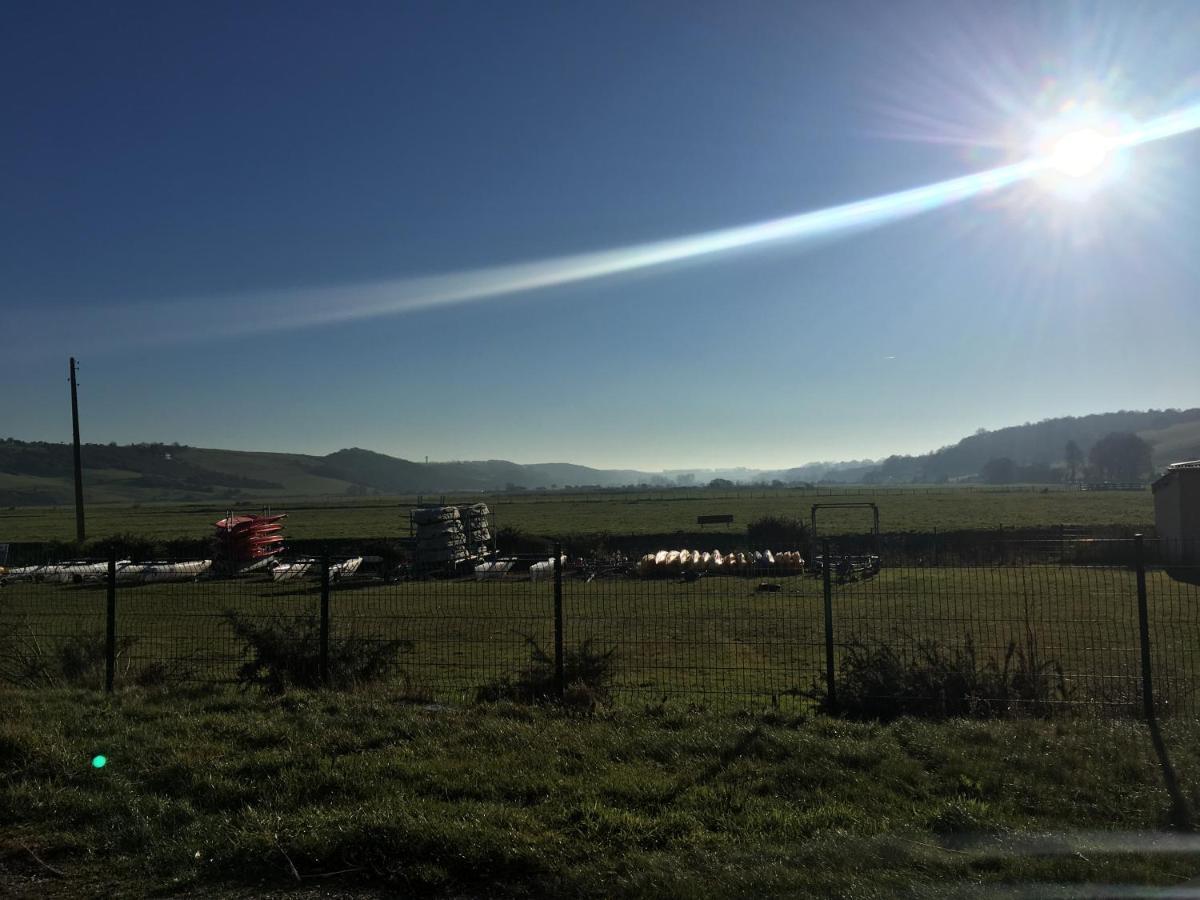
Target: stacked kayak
127,572
247,538
674,562
73,572
147,573
311,568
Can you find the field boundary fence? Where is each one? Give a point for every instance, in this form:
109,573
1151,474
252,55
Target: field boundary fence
1038,627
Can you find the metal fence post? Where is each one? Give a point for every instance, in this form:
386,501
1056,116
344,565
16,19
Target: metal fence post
324,659
110,622
1143,626
830,686
559,663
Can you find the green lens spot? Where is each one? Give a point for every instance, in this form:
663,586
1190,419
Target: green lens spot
98,762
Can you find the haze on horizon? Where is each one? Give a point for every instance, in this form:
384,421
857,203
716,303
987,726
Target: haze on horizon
204,204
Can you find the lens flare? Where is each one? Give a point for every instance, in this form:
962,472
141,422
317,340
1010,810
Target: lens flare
1080,153
1074,163
99,761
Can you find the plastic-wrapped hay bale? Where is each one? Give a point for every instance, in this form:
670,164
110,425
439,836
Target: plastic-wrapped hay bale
645,566
545,569
793,561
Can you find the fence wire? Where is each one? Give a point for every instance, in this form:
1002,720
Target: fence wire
1063,611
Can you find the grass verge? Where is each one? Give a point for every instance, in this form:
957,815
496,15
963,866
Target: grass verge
360,795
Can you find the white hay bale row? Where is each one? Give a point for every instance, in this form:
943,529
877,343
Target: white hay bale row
496,569
668,562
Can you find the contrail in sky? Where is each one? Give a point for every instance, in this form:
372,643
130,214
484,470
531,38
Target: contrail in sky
297,308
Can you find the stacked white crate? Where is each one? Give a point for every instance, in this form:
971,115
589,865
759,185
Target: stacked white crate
478,532
440,537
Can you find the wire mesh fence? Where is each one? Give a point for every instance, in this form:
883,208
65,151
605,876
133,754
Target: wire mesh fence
1050,625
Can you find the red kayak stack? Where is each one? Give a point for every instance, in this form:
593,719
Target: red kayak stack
247,539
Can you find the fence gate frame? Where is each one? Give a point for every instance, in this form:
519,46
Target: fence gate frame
812,537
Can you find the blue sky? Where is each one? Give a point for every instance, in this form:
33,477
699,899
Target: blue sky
184,184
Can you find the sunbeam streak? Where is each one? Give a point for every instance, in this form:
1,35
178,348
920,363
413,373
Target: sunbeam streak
406,295
190,319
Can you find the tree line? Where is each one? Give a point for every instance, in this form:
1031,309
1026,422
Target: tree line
1120,456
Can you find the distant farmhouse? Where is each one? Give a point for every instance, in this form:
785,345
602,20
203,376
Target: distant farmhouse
1177,512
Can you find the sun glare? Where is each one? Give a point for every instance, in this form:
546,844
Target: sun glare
1079,154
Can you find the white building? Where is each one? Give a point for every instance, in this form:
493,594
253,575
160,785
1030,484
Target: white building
1177,511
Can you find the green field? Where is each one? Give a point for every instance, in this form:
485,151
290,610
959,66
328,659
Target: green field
221,793
717,641
552,514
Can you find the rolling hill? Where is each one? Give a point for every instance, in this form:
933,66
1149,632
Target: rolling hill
1174,435
39,473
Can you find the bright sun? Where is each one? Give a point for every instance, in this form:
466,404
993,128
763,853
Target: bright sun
1079,154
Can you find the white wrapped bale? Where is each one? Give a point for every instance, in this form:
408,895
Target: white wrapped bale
545,569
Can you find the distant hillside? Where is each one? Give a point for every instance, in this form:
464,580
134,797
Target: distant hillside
38,473
1174,434
388,474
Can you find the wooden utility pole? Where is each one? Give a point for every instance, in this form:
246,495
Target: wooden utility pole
79,534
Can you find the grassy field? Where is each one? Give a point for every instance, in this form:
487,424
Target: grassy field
363,795
717,642
621,513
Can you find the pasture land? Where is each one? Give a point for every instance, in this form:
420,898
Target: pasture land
553,514
222,793
717,642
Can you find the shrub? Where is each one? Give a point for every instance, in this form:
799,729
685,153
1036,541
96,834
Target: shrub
513,540
285,652
877,681
587,677
76,660
163,673
777,533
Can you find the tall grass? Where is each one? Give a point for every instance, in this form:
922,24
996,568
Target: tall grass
880,681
